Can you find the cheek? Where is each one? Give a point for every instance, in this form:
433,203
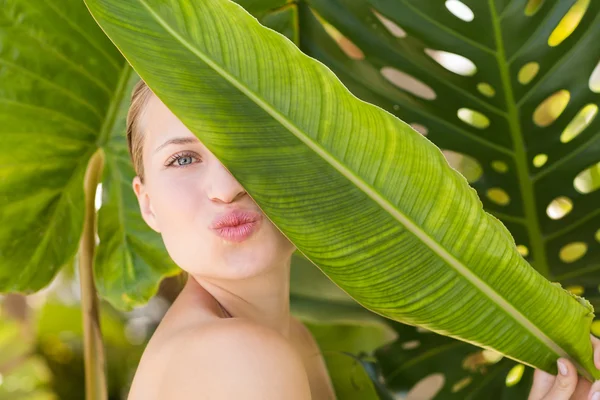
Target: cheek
182,220
174,197
177,205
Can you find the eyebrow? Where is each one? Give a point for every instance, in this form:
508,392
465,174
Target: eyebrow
178,140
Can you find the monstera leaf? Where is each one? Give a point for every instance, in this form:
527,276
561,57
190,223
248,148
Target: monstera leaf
422,364
506,89
367,199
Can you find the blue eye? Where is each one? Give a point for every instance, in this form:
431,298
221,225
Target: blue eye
185,160
182,160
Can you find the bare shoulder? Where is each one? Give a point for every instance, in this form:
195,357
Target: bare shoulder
232,358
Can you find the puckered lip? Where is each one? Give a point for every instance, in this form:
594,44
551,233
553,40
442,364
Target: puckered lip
234,218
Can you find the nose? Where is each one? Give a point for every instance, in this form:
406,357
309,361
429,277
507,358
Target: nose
223,187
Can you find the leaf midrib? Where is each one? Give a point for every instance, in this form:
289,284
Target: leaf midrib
407,223
527,193
520,155
448,30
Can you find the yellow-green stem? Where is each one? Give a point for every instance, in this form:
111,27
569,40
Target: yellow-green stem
95,371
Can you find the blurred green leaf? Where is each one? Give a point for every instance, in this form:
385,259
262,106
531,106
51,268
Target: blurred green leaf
426,364
65,92
24,375
346,348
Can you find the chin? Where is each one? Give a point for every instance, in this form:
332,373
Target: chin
221,259
252,260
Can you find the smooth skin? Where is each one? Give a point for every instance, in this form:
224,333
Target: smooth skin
566,387
235,359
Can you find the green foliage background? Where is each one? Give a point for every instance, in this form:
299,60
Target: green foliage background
494,143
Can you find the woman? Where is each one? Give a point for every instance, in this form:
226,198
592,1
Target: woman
229,334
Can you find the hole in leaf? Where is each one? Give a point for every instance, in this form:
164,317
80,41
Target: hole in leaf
514,375
500,166
473,118
559,207
390,25
597,236
427,388
469,167
551,108
595,79
491,356
532,7
523,250
588,180
486,89
573,252
420,128
568,23
349,48
576,290
411,344
581,121
408,83
498,196
540,160
528,72
461,384
460,10
596,328
453,62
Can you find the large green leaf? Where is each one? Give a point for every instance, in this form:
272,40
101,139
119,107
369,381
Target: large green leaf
65,92
367,199
52,109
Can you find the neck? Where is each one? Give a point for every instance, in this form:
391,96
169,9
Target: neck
263,299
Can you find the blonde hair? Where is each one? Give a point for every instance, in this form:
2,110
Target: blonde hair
140,95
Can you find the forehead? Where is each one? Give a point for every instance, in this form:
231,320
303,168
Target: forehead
161,124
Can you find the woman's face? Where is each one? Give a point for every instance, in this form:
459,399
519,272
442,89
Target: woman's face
185,188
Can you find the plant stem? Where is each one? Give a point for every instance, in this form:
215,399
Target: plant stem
95,373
